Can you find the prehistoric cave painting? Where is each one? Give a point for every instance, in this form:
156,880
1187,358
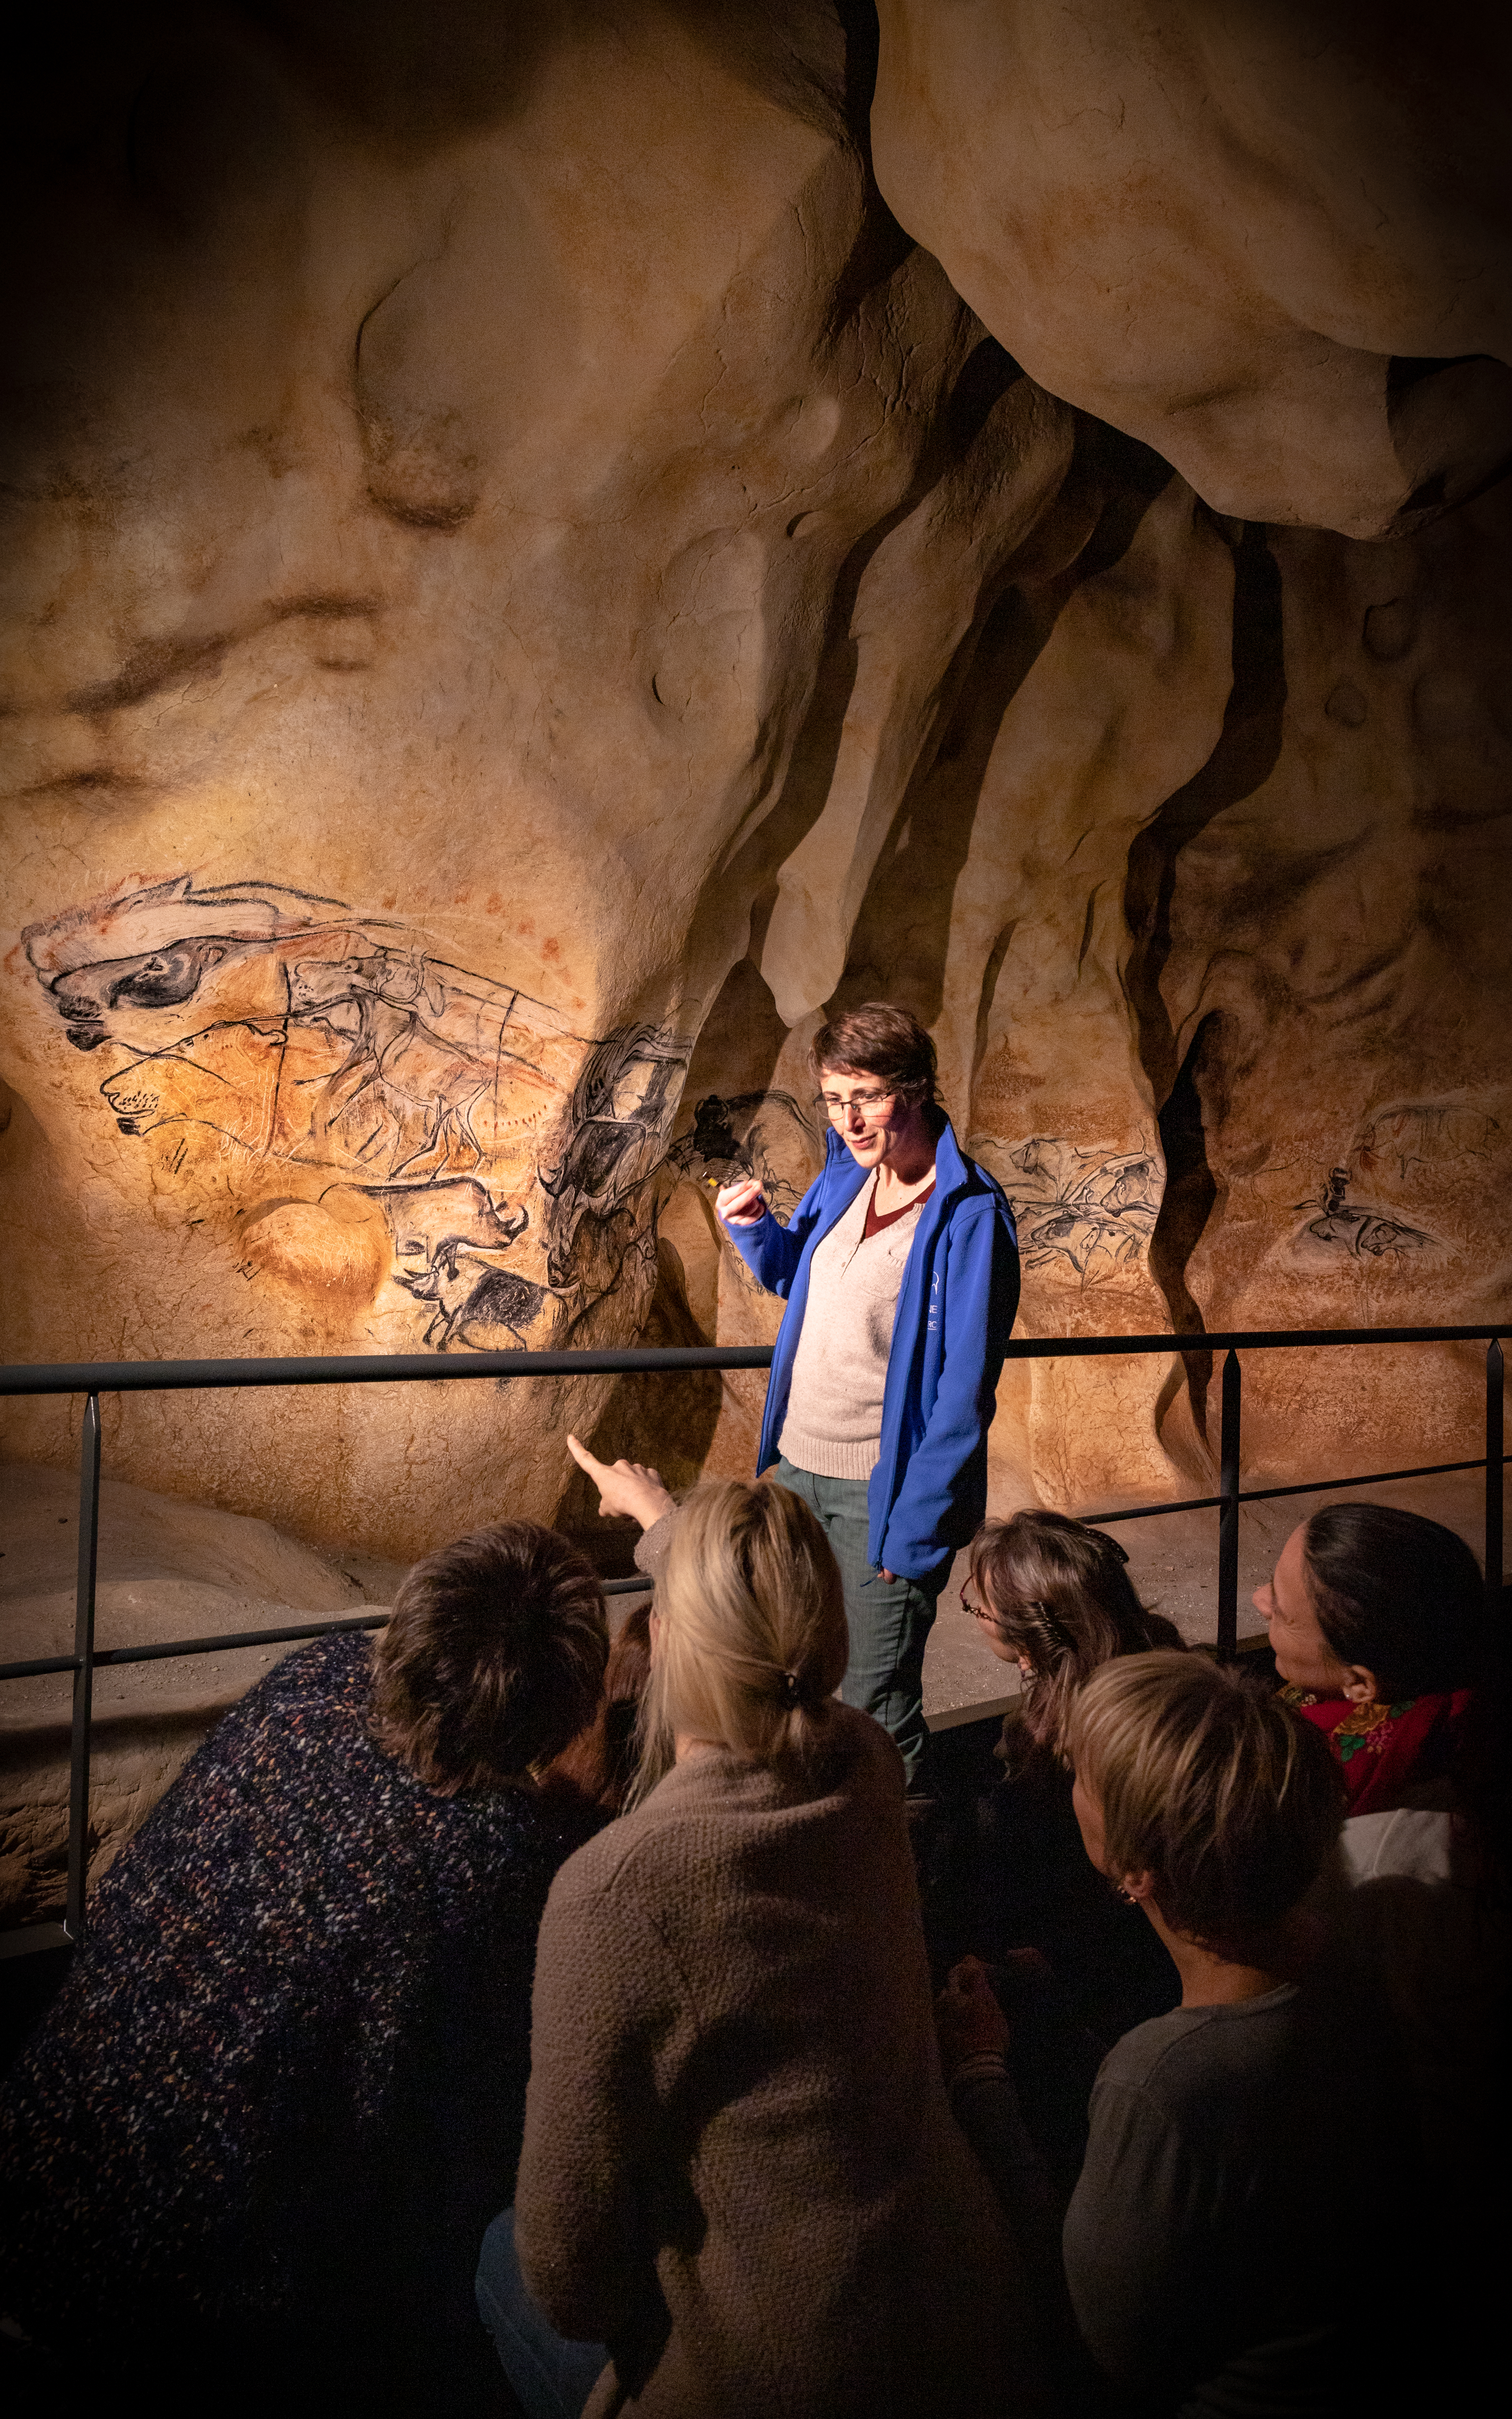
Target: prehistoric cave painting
741,1133
622,1105
1414,1134
309,1037
1353,1226
1093,1210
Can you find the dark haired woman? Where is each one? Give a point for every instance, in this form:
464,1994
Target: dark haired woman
1375,1618
900,1271
259,2133
1055,1597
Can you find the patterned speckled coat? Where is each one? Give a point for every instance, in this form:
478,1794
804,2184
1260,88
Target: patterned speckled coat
286,2074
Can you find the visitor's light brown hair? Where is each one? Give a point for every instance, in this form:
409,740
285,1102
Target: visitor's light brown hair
883,1041
492,1660
1061,1596
1210,1785
751,1642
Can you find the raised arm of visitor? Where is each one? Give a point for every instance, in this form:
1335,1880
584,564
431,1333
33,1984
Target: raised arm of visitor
626,1489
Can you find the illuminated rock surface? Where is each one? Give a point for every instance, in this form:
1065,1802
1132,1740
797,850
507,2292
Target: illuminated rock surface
524,585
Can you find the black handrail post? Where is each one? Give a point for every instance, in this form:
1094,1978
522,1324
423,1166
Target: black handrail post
1228,1512
84,1672
1494,1450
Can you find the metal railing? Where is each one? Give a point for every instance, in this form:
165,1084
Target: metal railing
93,1378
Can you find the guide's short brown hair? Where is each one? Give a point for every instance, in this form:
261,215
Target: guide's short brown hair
492,1660
1210,1785
879,1041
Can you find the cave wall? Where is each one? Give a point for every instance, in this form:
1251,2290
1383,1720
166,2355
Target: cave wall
535,567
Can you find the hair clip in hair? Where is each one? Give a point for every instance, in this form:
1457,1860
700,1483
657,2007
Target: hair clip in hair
790,1688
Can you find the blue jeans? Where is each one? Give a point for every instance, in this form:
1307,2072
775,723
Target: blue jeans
552,2377
889,1620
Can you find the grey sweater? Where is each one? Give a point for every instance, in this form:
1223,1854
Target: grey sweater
1205,2242
739,2169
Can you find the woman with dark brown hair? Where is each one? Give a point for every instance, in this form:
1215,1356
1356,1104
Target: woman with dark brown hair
899,1271
1375,1617
1055,1597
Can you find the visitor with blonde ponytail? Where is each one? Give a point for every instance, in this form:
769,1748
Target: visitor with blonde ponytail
741,2189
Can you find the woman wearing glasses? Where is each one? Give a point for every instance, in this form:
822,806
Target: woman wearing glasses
1055,1597
900,1271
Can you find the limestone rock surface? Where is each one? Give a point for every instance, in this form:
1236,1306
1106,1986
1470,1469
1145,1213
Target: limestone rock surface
168,1570
1271,238
525,585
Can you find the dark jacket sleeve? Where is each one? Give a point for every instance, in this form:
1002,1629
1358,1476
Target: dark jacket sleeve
985,2105
941,1499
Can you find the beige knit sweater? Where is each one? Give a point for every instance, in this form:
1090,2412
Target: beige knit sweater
833,1425
740,2170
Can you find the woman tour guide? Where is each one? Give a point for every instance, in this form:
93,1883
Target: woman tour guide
900,1271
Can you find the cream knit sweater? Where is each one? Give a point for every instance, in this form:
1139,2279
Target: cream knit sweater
739,2169
833,1425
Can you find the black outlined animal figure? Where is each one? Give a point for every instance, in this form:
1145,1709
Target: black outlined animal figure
306,1035
1353,1226
732,1135
621,1108
476,1296
1094,1210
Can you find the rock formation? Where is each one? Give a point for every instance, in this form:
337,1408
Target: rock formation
1268,237
527,581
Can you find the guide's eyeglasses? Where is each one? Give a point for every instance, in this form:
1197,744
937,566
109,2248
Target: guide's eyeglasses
869,1106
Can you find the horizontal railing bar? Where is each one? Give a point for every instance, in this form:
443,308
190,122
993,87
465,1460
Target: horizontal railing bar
403,1368
236,1639
367,1368
1371,1478
1138,1512
1259,1339
239,1638
33,1936
1265,1494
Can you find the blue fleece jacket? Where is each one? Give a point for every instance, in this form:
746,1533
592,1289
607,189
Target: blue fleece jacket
928,1492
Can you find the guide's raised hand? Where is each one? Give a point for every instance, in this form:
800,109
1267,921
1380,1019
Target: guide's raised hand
626,1489
741,1203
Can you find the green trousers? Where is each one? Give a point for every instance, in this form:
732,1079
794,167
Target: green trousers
889,1620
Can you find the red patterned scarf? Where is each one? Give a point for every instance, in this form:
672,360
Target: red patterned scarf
1385,1750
